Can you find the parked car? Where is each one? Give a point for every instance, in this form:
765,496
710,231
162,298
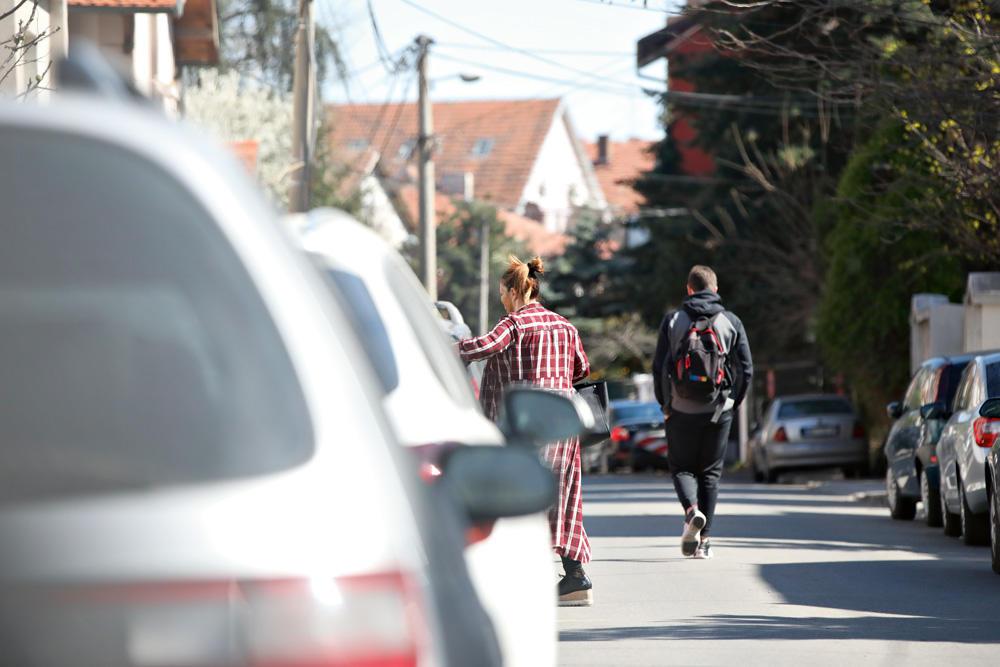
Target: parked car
808,431
962,449
430,404
911,446
196,466
637,435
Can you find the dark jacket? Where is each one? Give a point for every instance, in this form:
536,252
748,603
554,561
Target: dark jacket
739,364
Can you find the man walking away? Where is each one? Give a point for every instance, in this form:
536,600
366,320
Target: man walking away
701,373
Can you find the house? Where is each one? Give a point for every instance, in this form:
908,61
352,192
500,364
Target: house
148,40
617,165
523,156
683,39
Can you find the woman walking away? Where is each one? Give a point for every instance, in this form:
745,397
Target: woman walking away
534,345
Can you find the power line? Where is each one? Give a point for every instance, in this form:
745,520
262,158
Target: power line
568,52
618,5
496,42
383,52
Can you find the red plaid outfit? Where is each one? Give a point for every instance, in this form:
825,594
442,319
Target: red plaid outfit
536,346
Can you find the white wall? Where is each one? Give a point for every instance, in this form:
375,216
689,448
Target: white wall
17,78
557,183
378,212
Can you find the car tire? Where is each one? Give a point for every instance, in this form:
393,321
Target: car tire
901,509
932,503
952,523
975,528
995,532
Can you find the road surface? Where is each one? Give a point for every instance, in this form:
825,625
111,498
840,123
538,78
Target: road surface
804,574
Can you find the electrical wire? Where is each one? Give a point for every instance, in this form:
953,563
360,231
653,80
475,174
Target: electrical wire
566,52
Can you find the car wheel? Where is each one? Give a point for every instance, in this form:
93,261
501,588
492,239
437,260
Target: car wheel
975,529
900,508
932,503
951,522
995,531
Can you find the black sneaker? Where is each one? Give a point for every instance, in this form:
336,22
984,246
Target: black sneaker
575,590
704,551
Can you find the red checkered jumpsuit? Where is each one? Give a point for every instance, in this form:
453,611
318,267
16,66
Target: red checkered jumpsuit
536,346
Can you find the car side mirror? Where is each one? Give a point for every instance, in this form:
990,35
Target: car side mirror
991,408
894,410
936,410
497,482
535,416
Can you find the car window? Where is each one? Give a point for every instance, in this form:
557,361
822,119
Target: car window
441,356
948,378
368,325
962,394
993,380
913,398
814,406
135,350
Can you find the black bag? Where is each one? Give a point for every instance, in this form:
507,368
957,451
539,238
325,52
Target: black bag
700,373
595,394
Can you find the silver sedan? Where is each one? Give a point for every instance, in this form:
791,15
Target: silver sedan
808,431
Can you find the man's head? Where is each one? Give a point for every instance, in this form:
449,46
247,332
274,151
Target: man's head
701,278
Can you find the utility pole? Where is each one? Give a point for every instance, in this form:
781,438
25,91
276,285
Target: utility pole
302,111
425,146
484,275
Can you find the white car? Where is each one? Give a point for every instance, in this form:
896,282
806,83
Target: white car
962,451
430,402
196,466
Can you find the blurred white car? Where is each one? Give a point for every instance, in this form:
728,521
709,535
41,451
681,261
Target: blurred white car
196,468
430,403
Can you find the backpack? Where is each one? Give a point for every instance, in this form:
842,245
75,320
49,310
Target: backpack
700,372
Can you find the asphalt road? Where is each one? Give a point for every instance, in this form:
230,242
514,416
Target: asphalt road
804,574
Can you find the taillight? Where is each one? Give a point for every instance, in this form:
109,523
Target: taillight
985,430
619,434
373,620
859,430
934,458
780,435
430,460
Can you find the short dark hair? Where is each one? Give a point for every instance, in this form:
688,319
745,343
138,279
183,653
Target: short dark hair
701,278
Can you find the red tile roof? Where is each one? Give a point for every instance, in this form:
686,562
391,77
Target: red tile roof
129,5
516,128
536,239
627,160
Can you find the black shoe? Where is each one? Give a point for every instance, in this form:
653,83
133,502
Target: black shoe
575,590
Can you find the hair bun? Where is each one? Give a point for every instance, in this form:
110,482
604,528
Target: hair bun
536,267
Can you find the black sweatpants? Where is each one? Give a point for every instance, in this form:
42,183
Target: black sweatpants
696,450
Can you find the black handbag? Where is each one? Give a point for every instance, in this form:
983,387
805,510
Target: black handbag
595,394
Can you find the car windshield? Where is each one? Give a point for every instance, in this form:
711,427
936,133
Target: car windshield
134,349
814,406
637,412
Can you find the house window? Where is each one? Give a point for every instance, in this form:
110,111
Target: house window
406,149
482,147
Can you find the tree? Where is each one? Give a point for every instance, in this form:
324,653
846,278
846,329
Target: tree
458,237
21,47
235,109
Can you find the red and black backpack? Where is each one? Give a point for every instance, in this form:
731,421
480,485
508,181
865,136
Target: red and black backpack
700,372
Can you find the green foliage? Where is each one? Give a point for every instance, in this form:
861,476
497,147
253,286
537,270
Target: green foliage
458,246
876,262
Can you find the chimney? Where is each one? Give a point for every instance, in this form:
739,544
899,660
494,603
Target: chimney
602,150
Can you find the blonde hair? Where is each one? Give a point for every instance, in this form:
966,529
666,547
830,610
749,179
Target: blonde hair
524,278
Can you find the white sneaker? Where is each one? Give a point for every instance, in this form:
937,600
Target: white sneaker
704,551
691,537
